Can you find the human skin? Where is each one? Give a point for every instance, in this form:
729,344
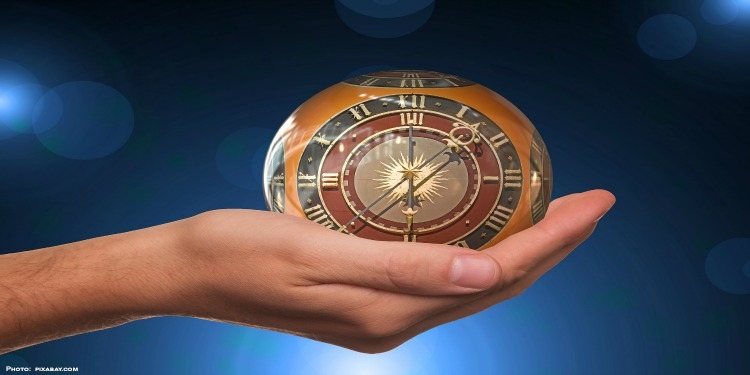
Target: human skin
278,272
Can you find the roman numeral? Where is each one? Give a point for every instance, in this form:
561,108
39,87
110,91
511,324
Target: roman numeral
306,181
414,99
318,214
355,111
512,178
491,179
537,210
536,149
410,238
330,180
414,83
369,82
499,218
499,140
321,139
463,110
412,118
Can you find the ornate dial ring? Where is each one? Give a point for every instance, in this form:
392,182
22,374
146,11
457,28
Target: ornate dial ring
444,188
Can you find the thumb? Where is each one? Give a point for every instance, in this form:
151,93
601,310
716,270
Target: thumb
411,268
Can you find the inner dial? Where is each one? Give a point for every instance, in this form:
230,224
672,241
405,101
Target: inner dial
354,175
377,173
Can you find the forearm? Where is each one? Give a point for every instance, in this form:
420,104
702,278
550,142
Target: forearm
84,286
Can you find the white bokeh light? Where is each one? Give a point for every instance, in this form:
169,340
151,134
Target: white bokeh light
416,356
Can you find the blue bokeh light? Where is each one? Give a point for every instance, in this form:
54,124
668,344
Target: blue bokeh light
241,155
83,120
384,18
17,106
386,8
11,76
728,266
720,12
47,112
667,36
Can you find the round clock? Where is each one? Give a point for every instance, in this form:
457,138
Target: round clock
412,156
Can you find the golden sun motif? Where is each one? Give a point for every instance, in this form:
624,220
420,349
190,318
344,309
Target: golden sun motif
395,171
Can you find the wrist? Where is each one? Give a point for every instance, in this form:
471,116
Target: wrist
89,285
151,275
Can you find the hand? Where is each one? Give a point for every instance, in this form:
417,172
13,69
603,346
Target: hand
364,295
278,272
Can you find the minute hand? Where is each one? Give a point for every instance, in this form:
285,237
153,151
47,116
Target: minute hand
392,188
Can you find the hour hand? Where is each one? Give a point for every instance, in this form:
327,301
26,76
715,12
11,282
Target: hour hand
409,231
409,212
412,171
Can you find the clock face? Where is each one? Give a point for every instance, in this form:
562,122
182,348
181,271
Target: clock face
411,167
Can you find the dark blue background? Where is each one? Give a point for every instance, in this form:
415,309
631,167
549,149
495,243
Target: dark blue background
668,137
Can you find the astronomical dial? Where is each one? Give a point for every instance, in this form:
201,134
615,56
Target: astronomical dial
411,167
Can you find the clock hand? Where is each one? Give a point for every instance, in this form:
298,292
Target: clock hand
410,211
449,145
410,171
451,158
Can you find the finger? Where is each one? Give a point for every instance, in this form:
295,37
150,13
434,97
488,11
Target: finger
477,302
450,308
411,268
430,269
570,220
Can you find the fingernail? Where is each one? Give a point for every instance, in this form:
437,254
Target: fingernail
604,213
473,271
